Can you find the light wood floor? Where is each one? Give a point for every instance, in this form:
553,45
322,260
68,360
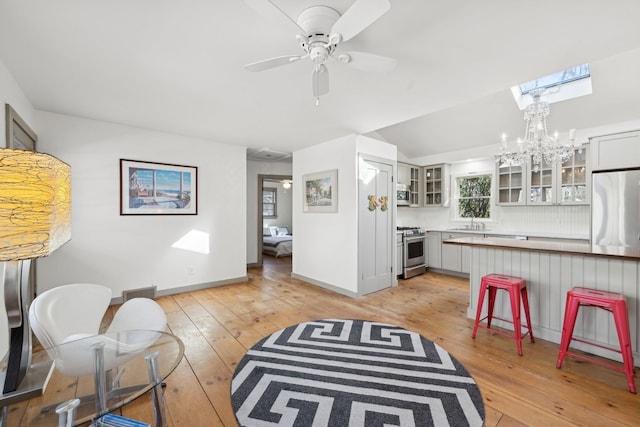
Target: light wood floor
218,325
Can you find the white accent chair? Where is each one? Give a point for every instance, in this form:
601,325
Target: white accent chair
72,315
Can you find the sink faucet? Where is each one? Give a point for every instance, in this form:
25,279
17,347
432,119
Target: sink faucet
476,225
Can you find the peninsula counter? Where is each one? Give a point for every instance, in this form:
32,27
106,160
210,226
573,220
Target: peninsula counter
551,269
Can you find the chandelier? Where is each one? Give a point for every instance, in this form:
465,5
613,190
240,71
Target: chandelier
537,145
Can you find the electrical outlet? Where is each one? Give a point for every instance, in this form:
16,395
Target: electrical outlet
190,270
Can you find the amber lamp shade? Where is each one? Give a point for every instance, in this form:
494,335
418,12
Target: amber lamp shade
35,220
35,204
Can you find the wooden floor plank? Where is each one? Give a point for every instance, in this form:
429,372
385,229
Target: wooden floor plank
218,325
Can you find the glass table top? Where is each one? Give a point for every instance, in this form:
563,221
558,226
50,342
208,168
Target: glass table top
124,360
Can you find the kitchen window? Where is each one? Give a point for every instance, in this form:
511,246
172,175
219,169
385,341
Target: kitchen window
269,203
473,197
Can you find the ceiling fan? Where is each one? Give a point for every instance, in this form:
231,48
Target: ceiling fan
319,31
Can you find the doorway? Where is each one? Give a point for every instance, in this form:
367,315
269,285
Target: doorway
275,209
375,225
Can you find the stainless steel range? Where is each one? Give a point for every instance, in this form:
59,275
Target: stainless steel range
414,254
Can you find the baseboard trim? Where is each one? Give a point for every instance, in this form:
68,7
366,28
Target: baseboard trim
448,272
326,286
191,288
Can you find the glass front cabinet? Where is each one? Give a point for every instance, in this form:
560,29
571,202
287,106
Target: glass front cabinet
545,184
436,185
414,186
574,180
510,185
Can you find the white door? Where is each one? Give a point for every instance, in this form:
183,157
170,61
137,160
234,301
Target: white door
375,226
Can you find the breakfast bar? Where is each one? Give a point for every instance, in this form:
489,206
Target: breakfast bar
551,269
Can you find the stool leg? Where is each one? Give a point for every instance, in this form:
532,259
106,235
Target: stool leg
570,313
483,290
525,303
622,327
514,297
491,304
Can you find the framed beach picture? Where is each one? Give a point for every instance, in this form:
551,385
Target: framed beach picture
320,191
149,188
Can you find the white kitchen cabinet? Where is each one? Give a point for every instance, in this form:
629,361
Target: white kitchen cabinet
574,179
565,183
616,151
404,174
414,186
561,183
455,257
436,185
511,185
409,176
434,245
399,254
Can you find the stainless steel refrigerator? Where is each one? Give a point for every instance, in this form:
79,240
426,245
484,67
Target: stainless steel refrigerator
615,208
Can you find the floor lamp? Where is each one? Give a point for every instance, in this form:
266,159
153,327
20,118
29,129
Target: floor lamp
35,220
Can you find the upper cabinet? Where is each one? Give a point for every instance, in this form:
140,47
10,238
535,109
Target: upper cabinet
511,181
547,184
617,151
409,176
403,173
436,185
414,187
574,184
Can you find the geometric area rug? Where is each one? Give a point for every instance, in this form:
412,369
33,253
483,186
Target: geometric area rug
352,373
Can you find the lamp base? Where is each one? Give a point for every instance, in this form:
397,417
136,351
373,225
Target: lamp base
32,385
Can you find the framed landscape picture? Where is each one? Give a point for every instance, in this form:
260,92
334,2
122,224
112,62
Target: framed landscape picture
320,191
149,188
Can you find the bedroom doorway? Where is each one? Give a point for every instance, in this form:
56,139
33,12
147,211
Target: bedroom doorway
275,209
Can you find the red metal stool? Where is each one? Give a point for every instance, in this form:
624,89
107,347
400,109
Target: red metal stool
517,288
612,302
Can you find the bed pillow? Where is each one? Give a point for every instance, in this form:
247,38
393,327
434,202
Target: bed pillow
282,231
266,231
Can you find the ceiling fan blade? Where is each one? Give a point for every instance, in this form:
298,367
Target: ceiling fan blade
271,63
268,9
368,62
359,16
320,80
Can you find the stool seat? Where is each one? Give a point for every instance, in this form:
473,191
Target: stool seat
611,301
517,288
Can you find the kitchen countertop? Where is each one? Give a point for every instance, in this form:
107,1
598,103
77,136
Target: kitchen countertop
513,233
557,247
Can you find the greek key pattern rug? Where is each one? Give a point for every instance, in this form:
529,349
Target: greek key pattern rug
352,373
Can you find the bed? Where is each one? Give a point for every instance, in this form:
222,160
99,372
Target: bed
277,241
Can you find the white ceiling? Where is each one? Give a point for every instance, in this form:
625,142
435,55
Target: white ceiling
176,66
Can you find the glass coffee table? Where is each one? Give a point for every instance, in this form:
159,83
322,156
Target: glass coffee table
116,369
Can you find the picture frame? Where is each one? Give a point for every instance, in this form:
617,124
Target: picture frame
150,188
320,191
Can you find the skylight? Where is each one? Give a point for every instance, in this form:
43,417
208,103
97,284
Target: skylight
560,86
556,79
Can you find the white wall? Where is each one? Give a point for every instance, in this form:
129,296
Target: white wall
326,244
130,252
255,168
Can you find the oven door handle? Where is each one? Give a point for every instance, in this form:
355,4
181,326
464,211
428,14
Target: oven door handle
412,238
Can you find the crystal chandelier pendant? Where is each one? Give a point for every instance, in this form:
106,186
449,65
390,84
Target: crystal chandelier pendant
537,145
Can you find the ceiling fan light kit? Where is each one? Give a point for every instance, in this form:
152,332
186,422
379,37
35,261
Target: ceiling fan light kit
321,30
